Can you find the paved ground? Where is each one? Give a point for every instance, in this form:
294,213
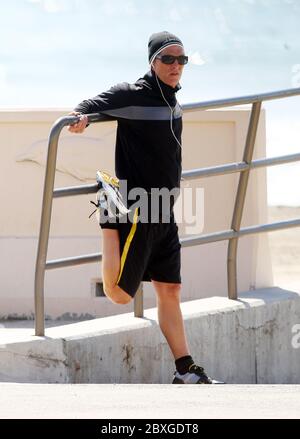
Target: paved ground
17,330
152,401
29,324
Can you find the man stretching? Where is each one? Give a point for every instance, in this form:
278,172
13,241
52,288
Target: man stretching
148,156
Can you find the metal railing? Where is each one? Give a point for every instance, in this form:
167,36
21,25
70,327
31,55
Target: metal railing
232,235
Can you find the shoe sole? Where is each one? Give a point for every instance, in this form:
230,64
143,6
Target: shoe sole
111,186
179,381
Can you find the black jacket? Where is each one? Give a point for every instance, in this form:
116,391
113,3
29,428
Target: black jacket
147,154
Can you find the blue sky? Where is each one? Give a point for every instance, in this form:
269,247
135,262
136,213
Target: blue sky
54,53
58,51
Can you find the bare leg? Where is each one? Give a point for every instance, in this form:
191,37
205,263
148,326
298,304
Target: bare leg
111,267
170,317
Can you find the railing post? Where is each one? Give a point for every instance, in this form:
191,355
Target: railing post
138,302
240,201
45,223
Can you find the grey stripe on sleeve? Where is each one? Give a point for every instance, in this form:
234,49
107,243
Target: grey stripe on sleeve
144,113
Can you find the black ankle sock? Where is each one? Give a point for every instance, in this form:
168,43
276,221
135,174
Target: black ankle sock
183,364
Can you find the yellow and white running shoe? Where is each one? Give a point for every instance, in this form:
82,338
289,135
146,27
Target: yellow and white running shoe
108,196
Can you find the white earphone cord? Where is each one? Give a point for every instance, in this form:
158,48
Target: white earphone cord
171,109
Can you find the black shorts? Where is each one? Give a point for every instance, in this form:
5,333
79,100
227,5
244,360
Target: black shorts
149,251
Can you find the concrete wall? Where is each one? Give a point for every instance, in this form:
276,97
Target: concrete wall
252,340
209,138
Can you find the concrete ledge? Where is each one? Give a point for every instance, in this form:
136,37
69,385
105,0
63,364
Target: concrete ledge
243,341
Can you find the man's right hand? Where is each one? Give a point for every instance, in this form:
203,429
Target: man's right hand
80,126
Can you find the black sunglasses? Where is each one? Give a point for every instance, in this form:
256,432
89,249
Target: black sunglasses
170,59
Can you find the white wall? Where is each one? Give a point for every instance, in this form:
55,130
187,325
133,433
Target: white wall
210,138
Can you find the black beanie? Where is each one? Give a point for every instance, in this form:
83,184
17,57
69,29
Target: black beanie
158,42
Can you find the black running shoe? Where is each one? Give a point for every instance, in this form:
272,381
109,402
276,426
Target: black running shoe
109,201
195,375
